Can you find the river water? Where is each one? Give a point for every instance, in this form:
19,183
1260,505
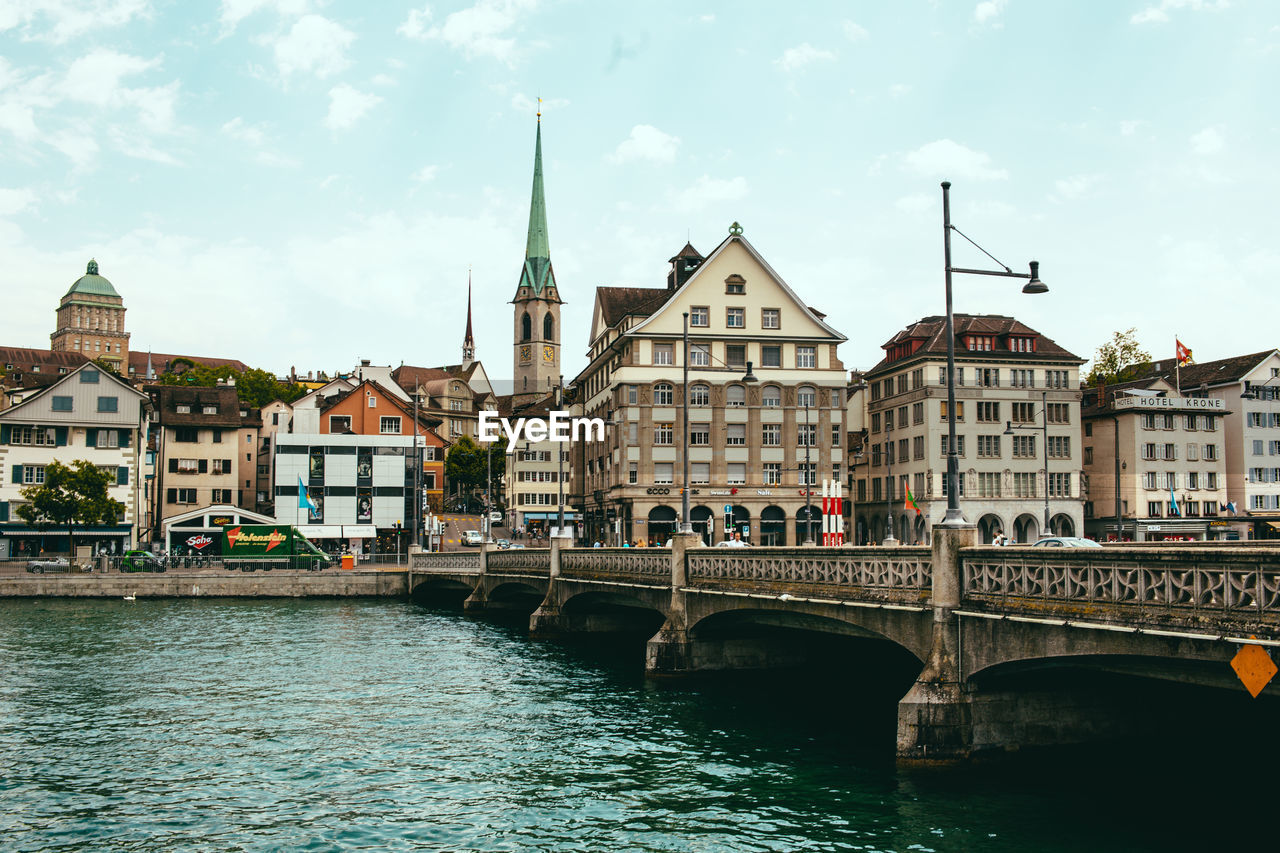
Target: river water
377,725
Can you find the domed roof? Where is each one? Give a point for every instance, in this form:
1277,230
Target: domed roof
93,284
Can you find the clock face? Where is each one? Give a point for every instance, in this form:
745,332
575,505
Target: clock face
526,353
548,354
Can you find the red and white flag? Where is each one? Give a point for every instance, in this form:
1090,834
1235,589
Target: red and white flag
1182,353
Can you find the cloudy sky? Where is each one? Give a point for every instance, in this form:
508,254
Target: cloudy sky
306,183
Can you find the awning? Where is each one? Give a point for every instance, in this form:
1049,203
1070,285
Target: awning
549,516
1275,524
321,531
359,531
78,530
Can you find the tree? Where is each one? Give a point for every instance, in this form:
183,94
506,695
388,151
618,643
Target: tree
254,387
468,463
1118,360
69,495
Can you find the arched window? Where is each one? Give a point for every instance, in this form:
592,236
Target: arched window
805,396
735,395
699,395
526,327
548,328
771,396
663,394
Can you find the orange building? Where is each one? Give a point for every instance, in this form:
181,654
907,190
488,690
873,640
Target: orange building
369,409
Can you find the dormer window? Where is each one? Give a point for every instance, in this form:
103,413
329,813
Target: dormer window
209,410
735,284
980,343
183,408
1021,344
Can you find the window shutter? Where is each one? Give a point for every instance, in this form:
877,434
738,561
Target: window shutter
17,475
173,466
122,475
4,510
4,433
171,496
91,438
217,435
226,466
126,438
203,466
60,436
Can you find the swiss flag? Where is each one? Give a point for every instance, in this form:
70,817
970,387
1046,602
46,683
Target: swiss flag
1183,354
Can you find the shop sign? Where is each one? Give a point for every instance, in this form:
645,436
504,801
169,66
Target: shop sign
199,541
221,520
657,490
1198,404
764,492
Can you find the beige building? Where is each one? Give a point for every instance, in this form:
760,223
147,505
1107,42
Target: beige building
1014,388
755,447
91,321
1166,451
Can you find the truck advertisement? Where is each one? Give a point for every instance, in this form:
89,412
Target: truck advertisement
249,547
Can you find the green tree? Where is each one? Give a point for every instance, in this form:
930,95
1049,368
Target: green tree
1118,360
468,463
70,494
254,387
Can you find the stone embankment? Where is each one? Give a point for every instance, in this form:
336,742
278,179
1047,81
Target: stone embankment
275,584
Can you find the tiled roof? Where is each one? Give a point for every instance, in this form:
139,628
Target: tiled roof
160,362
167,398
23,359
932,331
619,302
1224,370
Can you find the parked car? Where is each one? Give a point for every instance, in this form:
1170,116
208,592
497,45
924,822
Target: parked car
141,561
1065,542
515,546
495,518
503,544
42,565
472,537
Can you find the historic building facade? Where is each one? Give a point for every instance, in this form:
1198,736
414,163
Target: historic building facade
91,321
766,404
1014,388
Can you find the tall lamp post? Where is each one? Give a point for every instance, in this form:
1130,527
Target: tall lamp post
808,478
1044,433
686,526
955,518
888,461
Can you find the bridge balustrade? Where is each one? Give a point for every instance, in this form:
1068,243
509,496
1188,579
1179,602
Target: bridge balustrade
525,560
445,561
865,573
639,565
1235,583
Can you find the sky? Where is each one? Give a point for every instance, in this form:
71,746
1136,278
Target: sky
304,184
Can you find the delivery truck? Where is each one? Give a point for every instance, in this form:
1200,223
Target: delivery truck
249,547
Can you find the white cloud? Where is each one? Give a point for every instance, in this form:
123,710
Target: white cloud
15,201
988,11
897,90
415,26
1208,141
480,30
1128,128
78,148
426,174
314,45
707,19
237,129
347,106
1074,186
96,79
235,11
947,159
383,80
853,32
1159,14
795,58
707,190
646,142
66,19
918,203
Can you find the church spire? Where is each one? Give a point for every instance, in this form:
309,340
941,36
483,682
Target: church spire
468,342
537,273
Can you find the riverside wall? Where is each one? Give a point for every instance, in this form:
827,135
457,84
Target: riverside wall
276,584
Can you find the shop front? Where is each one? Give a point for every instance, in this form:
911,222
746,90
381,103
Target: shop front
198,532
25,542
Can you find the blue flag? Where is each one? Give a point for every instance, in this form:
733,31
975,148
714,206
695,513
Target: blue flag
304,499
1173,505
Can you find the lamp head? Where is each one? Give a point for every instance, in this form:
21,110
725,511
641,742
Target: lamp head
1008,427
1035,285
749,376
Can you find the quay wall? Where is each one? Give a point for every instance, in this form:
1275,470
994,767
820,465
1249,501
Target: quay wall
328,584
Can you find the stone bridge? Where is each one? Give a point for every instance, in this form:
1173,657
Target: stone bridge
993,637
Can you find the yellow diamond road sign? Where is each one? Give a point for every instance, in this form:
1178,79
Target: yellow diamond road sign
1254,667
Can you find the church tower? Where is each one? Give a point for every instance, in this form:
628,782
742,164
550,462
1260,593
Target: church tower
537,302
468,341
91,321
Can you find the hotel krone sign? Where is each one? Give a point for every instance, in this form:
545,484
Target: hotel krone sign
1173,404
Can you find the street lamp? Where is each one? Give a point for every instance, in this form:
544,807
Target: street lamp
888,461
1044,432
955,518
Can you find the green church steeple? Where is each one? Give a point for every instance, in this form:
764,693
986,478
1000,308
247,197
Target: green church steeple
537,273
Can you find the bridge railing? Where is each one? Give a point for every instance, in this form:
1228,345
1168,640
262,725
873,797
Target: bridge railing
446,561
533,561
637,565
1233,582
866,573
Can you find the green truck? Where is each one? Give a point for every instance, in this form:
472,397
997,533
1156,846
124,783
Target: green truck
249,547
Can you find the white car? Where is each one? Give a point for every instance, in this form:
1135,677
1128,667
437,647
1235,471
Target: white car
472,537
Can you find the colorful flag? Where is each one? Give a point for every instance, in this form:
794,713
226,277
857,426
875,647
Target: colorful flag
1231,507
304,499
1181,352
1173,505
911,502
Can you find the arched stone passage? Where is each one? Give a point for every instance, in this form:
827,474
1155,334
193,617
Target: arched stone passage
988,526
1026,529
741,522
703,520
1062,525
662,522
773,526
611,613
814,532
920,529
